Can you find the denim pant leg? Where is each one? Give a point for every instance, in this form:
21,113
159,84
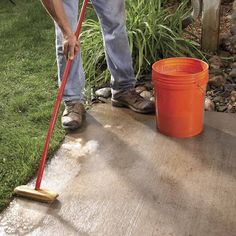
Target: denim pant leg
75,84
111,14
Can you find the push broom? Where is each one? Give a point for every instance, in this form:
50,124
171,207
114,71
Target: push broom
37,193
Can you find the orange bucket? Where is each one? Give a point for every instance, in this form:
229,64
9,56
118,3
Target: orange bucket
180,86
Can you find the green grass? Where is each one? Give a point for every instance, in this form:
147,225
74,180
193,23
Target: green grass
27,91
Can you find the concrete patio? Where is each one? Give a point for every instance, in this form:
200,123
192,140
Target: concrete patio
119,176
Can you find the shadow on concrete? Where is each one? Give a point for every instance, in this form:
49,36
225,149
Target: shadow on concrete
168,196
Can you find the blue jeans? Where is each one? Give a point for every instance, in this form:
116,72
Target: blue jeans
111,14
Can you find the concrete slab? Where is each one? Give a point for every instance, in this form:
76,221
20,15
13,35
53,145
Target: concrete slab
119,176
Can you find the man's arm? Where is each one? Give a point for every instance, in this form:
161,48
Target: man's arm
56,10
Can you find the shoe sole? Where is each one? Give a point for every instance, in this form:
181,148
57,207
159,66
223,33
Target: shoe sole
70,128
116,103
73,128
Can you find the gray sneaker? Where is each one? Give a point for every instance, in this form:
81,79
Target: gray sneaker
134,101
73,115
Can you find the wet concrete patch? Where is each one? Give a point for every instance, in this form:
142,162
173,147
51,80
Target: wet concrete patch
119,176
23,215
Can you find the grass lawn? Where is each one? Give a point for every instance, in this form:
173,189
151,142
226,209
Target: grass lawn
27,91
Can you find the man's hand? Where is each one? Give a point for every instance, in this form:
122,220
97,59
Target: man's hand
70,46
70,42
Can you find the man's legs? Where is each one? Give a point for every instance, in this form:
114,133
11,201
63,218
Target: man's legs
73,95
111,14
112,18
75,84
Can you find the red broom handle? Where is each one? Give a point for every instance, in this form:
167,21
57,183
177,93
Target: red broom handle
58,102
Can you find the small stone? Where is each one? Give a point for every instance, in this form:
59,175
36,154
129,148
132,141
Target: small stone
224,41
229,17
152,99
230,107
222,108
146,94
233,17
232,41
234,65
233,30
140,89
103,92
217,81
233,99
215,62
233,93
209,105
210,93
223,36
214,71
234,6
233,96
148,85
218,99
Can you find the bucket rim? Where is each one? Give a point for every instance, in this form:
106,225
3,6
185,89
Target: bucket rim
179,81
185,58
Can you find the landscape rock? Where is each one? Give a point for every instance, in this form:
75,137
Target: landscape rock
146,94
233,99
233,30
217,81
209,105
222,108
215,62
140,89
234,65
230,107
232,41
233,93
152,99
224,41
148,85
233,96
214,71
218,99
103,92
233,18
